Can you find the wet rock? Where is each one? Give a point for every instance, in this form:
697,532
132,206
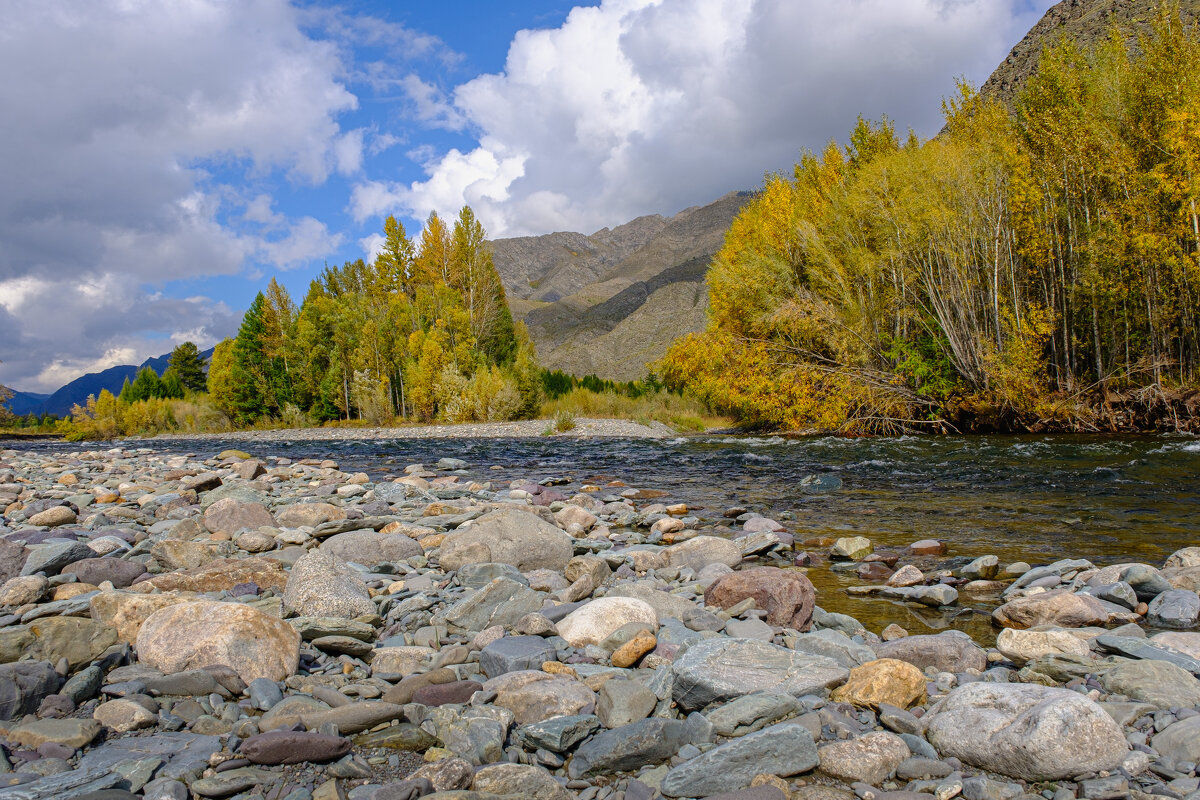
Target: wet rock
871,758
196,634
788,597
1027,731
723,669
984,568
851,548
509,536
884,681
513,653
593,622
785,749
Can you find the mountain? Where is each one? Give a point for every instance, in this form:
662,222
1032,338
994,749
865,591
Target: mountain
78,390
609,302
1084,21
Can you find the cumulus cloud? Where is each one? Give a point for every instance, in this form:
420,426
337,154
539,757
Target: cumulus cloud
118,115
640,106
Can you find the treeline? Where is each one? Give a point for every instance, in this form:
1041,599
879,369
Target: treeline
556,383
423,332
1010,273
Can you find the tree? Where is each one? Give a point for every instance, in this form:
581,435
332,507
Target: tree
145,386
220,377
187,365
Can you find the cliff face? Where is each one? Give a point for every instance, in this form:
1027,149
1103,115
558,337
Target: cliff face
1084,21
610,302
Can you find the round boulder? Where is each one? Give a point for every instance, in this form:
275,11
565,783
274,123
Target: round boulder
886,680
323,585
198,634
508,536
787,596
596,621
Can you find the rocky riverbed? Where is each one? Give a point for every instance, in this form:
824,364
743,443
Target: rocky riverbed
219,625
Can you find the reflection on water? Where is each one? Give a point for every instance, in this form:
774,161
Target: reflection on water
1026,498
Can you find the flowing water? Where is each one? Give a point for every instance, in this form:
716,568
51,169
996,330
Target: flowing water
1022,498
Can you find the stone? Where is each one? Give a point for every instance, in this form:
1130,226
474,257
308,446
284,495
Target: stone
223,784
79,641
196,634
52,557
632,651
230,515
220,575
851,548
400,660
871,758
519,780
513,653
293,747
509,536
24,685
370,547
126,611
476,576
53,517
322,585
1174,608
558,734
884,681
1037,733
123,715
1020,646
629,747
946,652
535,696
117,571
354,717
939,594
595,621
700,551
503,601
621,702
446,775
1060,607
984,568
308,515
722,669
1179,742
1158,682
787,596
72,733
664,604
907,575
785,749
23,589
440,694
173,554
1186,643
752,712
1134,647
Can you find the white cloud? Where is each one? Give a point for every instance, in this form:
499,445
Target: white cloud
640,106
372,246
307,239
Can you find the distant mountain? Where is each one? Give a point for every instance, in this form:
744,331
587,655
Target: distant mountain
1084,21
78,390
608,303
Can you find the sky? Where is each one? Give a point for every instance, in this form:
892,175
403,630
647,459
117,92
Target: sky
161,161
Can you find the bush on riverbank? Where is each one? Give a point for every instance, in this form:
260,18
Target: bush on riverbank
683,413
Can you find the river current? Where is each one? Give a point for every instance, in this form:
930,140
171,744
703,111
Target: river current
1023,498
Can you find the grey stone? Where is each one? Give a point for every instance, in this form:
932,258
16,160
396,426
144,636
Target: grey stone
1174,608
1165,685
476,576
752,712
1179,743
511,536
951,651
1147,649
83,685
52,557
501,602
648,741
722,669
621,702
1027,731
783,750
264,693
186,754
1146,581
836,645
322,585
558,734
119,571
24,685
939,594
371,547
1120,593
513,653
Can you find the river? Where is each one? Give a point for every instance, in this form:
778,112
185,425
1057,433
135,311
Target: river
1023,498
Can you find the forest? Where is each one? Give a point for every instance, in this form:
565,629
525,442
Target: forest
1028,269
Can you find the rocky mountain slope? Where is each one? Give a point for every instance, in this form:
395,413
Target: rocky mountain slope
608,303
1084,21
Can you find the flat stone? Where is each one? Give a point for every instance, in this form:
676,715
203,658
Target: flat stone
752,712
503,601
73,733
649,741
1155,649
946,652
558,734
1158,682
785,749
723,669
293,747
513,653
1020,646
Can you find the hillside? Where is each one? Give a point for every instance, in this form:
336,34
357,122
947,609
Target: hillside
1084,21
608,303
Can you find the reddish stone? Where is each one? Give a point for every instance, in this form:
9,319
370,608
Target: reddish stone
873,571
441,694
787,596
927,547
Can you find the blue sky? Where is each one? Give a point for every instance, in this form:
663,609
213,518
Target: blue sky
164,160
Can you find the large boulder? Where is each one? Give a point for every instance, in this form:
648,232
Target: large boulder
230,515
534,696
24,685
594,622
700,551
323,585
218,576
371,547
785,749
198,634
308,515
126,611
508,536
1037,733
787,596
722,669
1158,682
1060,607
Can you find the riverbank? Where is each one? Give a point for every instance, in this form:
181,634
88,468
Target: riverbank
428,628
